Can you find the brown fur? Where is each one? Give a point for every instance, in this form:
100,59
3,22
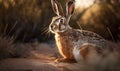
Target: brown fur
65,46
84,51
69,40
87,50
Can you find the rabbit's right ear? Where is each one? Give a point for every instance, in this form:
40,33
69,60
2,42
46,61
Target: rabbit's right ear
57,8
70,7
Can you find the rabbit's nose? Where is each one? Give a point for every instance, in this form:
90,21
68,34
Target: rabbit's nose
53,27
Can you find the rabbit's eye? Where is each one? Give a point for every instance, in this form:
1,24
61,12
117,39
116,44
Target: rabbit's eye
61,20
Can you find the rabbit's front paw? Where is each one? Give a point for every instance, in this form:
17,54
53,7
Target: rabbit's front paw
64,60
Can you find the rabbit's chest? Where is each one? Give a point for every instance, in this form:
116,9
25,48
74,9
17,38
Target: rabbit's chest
63,41
64,45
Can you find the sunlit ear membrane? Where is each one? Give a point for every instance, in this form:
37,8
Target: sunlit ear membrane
57,8
70,7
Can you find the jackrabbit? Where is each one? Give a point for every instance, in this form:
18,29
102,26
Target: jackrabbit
72,43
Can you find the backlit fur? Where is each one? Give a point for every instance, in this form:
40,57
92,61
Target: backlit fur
72,44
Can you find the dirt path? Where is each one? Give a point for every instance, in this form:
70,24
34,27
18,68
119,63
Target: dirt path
42,59
26,65
39,59
22,64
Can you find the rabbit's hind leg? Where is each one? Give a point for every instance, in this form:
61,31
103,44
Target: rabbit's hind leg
89,50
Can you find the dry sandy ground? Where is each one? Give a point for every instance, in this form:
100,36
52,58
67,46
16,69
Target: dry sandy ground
40,57
33,65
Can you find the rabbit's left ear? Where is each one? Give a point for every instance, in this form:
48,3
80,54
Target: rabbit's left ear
57,8
70,7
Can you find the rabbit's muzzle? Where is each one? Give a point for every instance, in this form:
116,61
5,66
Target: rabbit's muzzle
53,28
56,28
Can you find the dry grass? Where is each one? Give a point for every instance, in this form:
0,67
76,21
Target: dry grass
6,45
101,17
28,19
34,50
41,55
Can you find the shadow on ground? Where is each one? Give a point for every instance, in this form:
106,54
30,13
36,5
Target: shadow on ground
41,56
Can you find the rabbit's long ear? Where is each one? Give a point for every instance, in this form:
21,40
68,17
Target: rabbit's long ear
70,7
57,8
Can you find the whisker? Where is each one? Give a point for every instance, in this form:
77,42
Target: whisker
48,33
44,28
44,31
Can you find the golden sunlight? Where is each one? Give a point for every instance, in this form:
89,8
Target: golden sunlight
84,3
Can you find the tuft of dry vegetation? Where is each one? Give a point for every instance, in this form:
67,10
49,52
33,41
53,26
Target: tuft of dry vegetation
37,56
101,17
6,46
28,19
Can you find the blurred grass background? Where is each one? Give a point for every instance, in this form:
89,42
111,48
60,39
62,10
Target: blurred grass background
29,20
25,20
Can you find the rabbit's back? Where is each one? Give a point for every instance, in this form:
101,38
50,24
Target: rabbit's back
77,38
81,37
